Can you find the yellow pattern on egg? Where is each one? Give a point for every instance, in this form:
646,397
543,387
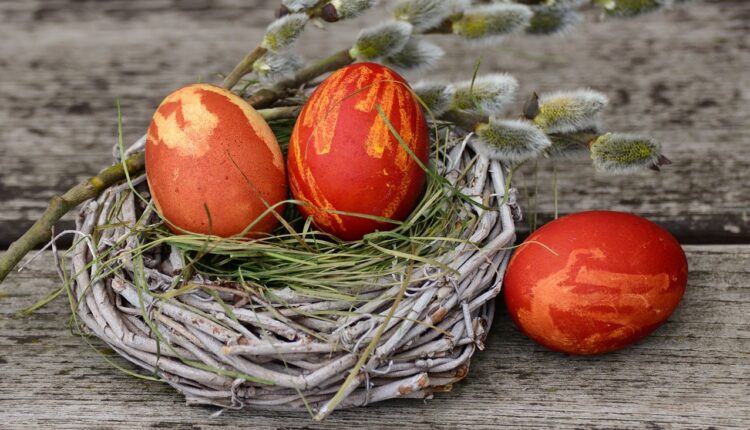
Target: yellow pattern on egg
192,137
188,128
326,104
320,207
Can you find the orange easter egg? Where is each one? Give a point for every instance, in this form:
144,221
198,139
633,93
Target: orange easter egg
213,163
594,282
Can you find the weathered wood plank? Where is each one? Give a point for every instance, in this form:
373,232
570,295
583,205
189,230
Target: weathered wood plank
694,372
680,75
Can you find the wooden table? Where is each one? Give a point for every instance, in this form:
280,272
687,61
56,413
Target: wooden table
682,76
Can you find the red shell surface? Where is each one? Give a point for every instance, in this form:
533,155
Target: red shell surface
343,156
209,152
594,282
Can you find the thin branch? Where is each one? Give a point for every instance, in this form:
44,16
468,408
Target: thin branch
268,96
60,205
283,112
245,66
466,120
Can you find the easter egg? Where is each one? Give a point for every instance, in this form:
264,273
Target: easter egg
594,282
213,164
344,159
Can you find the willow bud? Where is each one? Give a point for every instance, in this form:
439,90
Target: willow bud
511,140
487,94
295,6
284,31
570,111
551,19
422,14
618,154
436,96
382,40
418,54
351,8
631,8
491,23
275,66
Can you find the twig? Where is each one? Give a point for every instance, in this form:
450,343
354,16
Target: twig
283,112
267,96
245,66
467,121
60,205
355,378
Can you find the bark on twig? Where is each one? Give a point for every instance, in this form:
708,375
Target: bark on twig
267,96
60,205
243,67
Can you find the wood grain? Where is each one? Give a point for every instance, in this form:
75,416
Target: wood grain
694,372
679,75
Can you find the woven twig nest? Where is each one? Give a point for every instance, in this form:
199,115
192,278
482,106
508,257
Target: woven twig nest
267,349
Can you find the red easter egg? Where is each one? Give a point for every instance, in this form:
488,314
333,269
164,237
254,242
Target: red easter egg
213,163
594,282
343,156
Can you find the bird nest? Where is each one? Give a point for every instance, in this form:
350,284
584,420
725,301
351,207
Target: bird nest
221,322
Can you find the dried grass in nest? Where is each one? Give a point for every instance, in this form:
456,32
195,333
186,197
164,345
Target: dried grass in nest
300,319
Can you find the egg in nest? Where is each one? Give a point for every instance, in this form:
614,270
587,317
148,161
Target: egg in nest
346,163
213,164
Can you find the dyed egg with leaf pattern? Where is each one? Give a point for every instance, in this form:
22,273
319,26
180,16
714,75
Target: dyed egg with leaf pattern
594,282
345,159
213,164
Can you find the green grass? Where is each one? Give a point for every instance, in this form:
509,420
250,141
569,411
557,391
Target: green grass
316,264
